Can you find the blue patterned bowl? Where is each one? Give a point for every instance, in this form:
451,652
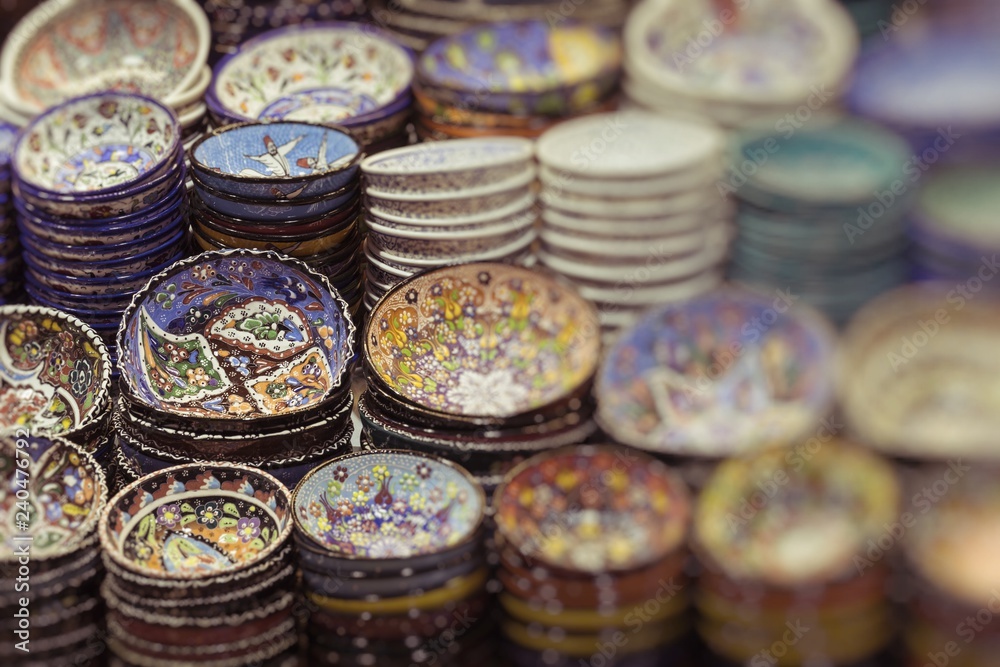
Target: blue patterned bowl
73,250
278,160
169,251
107,286
274,210
66,240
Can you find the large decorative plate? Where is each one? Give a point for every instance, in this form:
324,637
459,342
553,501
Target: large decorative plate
483,340
55,372
66,492
196,521
724,372
388,504
236,334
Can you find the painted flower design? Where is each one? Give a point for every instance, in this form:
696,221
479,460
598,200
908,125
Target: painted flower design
238,406
248,529
241,364
209,514
364,482
495,393
341,474
168,515
423,470
333,488
315,509
203,272
80,377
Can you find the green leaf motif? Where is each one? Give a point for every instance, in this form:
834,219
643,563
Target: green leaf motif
228,522
231,510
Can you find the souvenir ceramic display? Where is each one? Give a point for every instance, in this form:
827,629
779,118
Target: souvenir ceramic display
10,267
632,226
814,215
729,371
798,554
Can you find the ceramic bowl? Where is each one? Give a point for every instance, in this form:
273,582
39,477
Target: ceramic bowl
359,73
442,206
64,49
108,286
622,229
281,160
447,167
171,250
471,218
412,264
301,226
55,373
417,245
274,210
72,249
628,209
235,335
615,251
302,250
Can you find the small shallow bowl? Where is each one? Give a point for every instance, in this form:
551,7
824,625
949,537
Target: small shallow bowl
275,210
519,205
103,286
301,250
73,248
55,372
314,242
446,246
452,205
505,252
303,226
171,250
277,160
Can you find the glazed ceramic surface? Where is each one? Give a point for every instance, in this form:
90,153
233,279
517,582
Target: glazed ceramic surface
390,504
96,145
196,521
454,206
482,340
55,373
8,136
235,335
67,48
423,248
283,160
953,208
727,371
325,73
272,210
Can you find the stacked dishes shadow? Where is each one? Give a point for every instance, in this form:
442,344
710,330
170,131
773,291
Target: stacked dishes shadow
240,356
630,212
350,75
592,559
789,571
99,194
11,265
391,555
50,565
200,569
514,78
821,213
482,364
284,186
429,205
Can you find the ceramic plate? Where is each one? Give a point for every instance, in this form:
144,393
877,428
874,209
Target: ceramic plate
489,340
55,373
196,521
389,504
235,334
727,371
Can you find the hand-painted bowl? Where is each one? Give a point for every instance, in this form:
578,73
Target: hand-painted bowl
170,251
340,73
208,239
235,335
275,210
196,522
70,246
55,373
65,49
300,226
280,160
96,146
66,495
417,505
451,244
453,205
105,286
593,510
482,341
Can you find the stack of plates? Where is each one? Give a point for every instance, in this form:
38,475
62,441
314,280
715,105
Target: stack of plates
953,226
742,65
821,213
390,548
101,209
10,257
285,186
346,74
587,536
631,213
54,563
480,363
240,356
514,78
200,569
792,572
443,203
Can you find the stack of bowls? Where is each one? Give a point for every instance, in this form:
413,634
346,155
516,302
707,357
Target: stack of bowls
429,205
592,547
55,378
241,356
390,548
50,569
514,78
347,74
200,568
285,186
822,213
10,257
630,212
100,209
739,64
786,540
62,50
480,364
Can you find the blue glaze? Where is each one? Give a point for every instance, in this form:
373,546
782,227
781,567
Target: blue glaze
273,211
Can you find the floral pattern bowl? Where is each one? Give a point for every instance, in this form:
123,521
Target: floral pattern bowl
235,335
281,160
388,505
482,342
196,522
55,372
